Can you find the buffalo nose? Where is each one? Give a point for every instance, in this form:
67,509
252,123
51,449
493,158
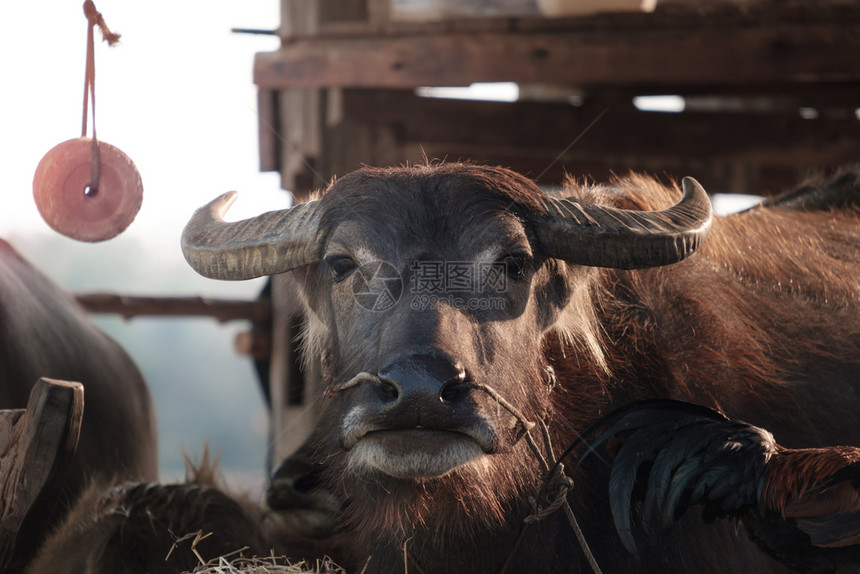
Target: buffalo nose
421,377
291,484
298,500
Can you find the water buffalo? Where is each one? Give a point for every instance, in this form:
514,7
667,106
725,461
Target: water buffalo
456,309
44,333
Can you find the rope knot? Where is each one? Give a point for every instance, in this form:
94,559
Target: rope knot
559,483
96,19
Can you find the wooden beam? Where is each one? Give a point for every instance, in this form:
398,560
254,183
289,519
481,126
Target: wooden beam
257,311
785,52
256,345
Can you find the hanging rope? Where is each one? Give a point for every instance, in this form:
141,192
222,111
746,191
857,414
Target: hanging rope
554,477
94,18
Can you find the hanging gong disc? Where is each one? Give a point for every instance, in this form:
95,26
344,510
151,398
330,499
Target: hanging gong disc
70,203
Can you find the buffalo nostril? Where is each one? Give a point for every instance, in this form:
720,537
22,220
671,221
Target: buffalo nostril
454,390
387,391
285,494
307,482
420,377
453,393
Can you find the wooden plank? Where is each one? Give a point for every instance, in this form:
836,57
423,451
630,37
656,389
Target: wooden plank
783,53
293,383
429,10
299,18
717,175
545,129
256,311
425,10
302,114
35,449
693,15
268,122
342,10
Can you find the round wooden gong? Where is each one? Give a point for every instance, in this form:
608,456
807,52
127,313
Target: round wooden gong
70,203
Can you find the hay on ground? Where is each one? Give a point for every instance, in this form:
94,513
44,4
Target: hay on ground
267,565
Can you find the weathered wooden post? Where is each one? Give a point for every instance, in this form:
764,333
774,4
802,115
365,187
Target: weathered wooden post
36,445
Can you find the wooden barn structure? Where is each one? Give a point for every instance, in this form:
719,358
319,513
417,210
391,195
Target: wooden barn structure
770,91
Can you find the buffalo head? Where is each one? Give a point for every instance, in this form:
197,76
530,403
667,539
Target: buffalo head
429,292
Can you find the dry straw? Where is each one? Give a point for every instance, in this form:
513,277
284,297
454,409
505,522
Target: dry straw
267,565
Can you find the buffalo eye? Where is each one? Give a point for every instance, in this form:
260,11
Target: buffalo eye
341,266
515,264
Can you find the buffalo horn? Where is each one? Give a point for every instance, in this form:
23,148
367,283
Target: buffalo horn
626,239
267,244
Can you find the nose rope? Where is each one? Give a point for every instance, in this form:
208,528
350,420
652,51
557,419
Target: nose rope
333,390
555,478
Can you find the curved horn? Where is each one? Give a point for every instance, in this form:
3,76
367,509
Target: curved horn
626,239
267,244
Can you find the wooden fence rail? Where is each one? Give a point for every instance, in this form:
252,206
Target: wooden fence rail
257,311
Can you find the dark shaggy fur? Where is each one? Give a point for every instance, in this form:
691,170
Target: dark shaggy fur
138,527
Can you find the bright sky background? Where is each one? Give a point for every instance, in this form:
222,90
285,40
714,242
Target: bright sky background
176,95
